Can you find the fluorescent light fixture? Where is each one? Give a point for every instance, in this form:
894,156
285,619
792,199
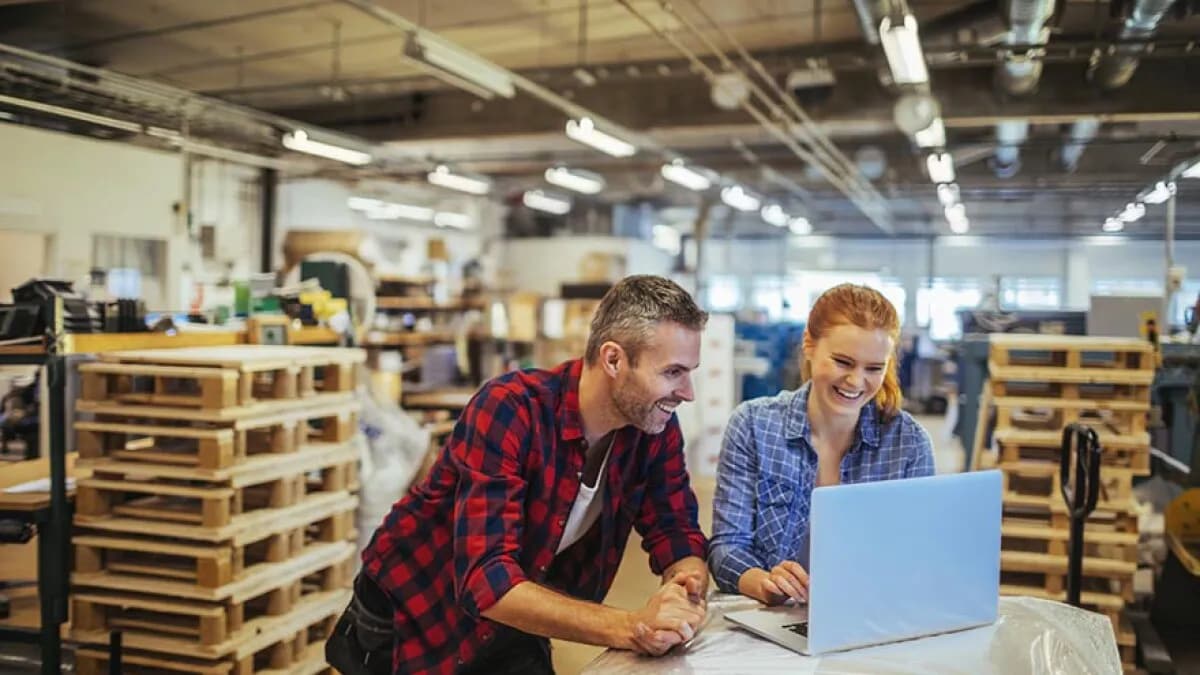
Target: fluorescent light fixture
1133,212
774,215
473,184
458,221
541,201
948,194
457,67
1161,192
584,131
667,238
7,116
1192,171
960,226
800,225
902,47
932,136
363,203
577,180
390,211
956,212
941,167
677,172
299,141
737,197
1113,225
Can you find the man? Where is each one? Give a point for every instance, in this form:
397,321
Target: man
517,532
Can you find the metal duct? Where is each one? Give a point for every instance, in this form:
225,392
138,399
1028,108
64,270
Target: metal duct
1082,133
1019,74
1009,137
1116,67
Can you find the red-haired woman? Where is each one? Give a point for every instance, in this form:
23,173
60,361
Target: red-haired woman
844,425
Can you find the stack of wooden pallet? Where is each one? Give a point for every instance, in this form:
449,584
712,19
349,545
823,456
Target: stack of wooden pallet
216,530
1040,384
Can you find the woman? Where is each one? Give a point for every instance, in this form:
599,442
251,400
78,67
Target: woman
843,426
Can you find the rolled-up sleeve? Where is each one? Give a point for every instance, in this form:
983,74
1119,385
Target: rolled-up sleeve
919,447
668,520
488,505
730,552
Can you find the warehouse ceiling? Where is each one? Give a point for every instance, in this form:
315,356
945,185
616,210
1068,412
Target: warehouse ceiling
340,66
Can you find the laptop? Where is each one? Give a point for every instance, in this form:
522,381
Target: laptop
893,560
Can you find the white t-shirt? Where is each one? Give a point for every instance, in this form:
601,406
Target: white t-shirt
586,509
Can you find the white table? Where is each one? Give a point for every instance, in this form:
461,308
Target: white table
1031,637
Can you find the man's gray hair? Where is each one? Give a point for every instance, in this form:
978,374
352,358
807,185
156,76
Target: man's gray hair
630,311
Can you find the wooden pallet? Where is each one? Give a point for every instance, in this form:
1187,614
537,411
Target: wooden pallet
290,643
234,414
212,388
200,570
1124,451
133,490
1039,414
243,530
1049,572
1050,390
182,625
1059,351
1053,514
317,368
1035,536
1043,479
213,445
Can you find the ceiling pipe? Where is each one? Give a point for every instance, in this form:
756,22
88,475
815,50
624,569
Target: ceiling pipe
1082,133
1010,134
1116,67
1018,75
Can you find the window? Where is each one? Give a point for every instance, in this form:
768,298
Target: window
1030,292
938,302
767,296
802,290
724,293
136,267
1183,299
1127,287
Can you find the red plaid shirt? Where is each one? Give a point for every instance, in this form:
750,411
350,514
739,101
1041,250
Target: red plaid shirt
492,511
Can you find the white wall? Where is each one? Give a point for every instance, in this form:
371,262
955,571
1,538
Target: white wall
541,264
72,188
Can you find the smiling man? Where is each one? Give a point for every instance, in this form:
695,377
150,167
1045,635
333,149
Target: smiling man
516,534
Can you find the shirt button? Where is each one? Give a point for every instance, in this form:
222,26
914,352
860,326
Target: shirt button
487,636
579,475
541,568
562,522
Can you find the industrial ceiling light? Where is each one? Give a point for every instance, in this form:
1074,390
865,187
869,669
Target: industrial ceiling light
299,141
902,47
961,226
1113,225
463,182
680,174
1159,193
800,226
948,194
739,198
584,131
542,201
458,221
390,211
1133,212
775,215
577,180
458,67
1192,171
941,167
667,238
932,136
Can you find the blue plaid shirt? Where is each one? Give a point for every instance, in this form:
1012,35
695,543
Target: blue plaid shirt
768,469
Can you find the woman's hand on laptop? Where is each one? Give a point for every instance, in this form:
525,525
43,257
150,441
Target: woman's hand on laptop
669,618
785,580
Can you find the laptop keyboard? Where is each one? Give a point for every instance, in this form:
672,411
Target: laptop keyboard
798,628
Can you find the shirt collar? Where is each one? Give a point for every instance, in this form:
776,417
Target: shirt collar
796,425
569,419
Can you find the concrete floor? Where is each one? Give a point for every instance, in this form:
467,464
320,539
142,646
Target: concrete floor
634,582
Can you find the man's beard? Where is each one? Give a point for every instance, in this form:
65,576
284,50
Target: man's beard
631,400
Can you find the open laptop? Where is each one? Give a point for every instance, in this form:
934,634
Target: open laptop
893,560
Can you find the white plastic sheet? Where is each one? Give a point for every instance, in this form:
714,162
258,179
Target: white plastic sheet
1031,637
